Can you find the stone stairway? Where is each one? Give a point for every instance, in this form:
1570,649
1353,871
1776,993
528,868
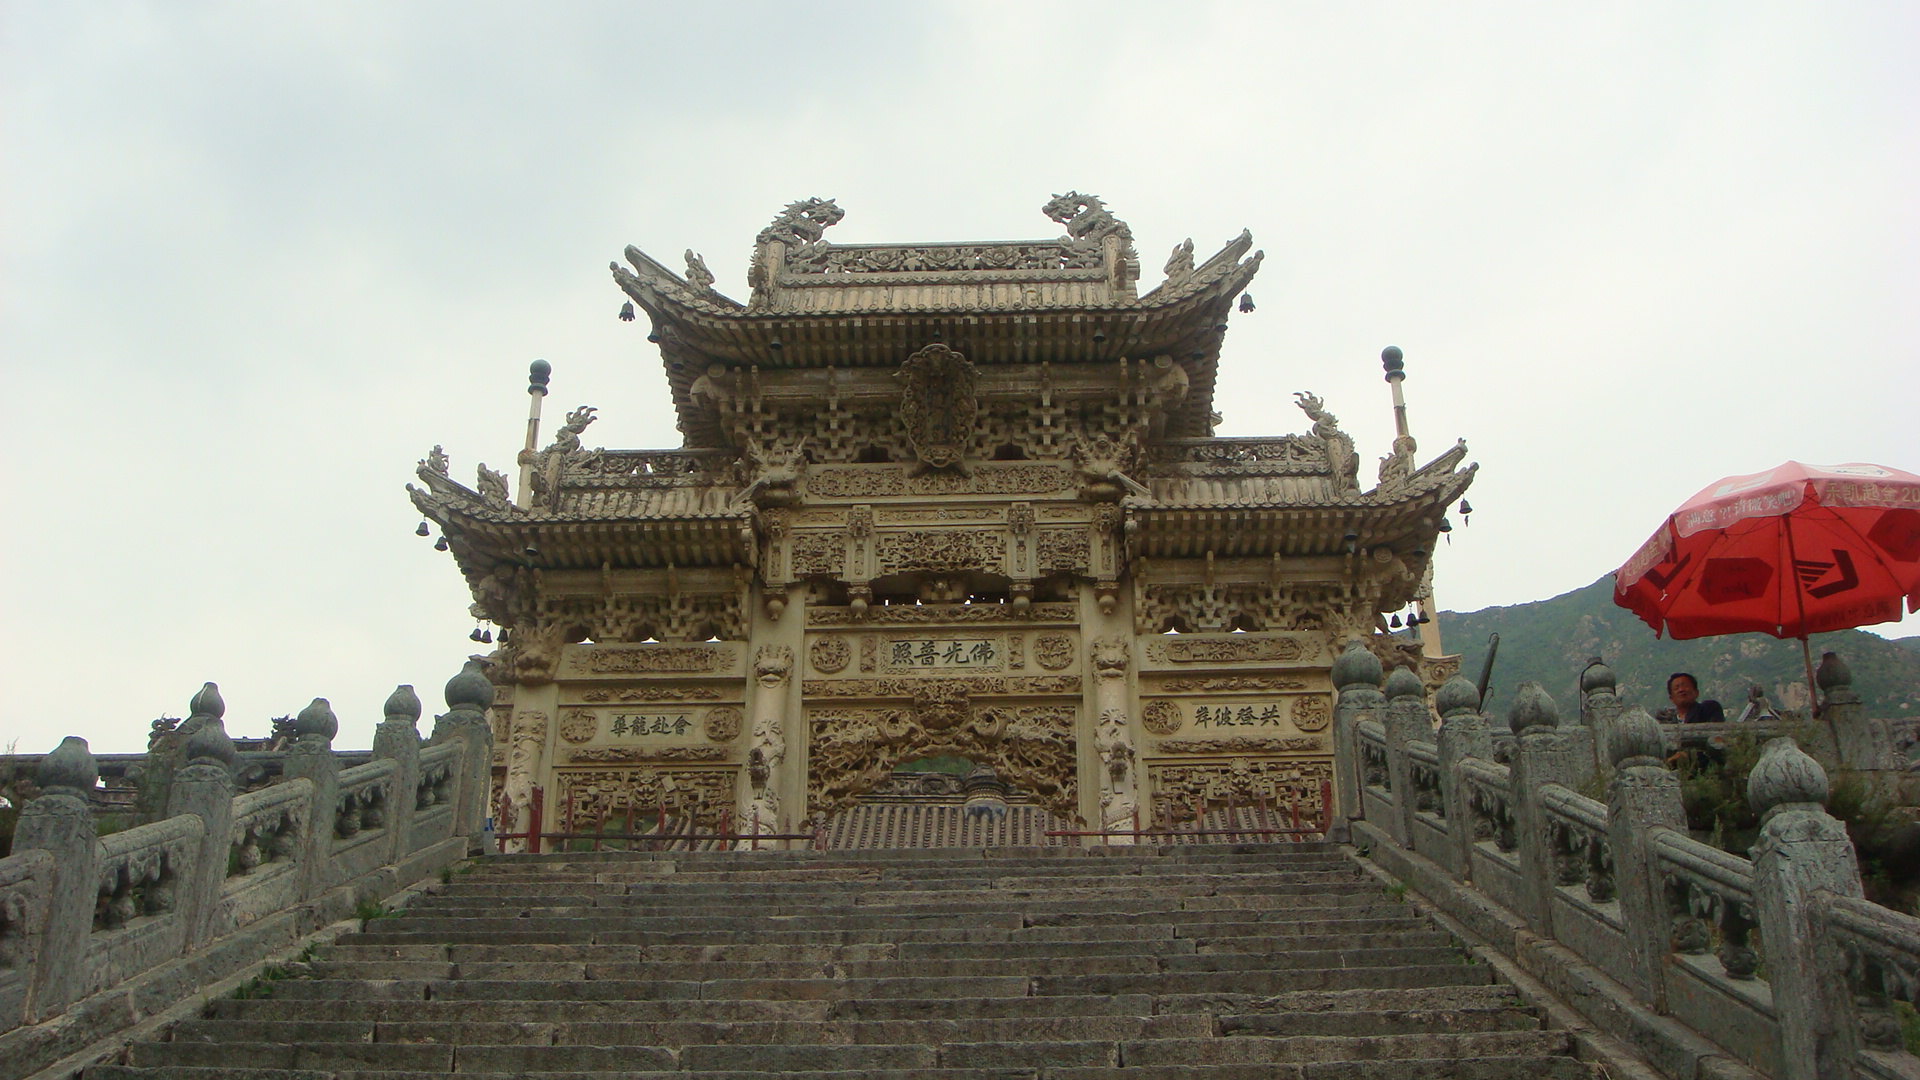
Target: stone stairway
1202,962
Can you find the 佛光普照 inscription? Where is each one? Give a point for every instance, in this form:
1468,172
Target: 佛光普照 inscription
944,653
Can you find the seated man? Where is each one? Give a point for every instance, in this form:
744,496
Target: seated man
1684,691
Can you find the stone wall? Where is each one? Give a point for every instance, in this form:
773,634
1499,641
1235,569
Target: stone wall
1712,964
98,933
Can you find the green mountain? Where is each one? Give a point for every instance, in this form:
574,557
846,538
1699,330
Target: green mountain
1549,641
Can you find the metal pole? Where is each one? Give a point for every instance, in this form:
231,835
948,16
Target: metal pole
539,373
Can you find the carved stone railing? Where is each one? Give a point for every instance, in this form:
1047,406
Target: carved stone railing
98,932
1772,966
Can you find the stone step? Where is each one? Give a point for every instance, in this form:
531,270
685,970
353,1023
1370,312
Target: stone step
853,901
1557,1068
934,966
615,1010
380,932
696,1031
1010,916
1007,946
1216,962
487,886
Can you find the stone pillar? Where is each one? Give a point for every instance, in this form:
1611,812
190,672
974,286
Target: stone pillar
1463,734
1600,709
1802,850
1546,753
759,806
1356,674
1407,721
60,822
311,757
1861,743
469,695
397,739
1113,740
526,752
205,788
1642,798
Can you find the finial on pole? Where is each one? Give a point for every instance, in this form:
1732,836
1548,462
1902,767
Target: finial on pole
539,374
1394,361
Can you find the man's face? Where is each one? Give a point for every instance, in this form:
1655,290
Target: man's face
1683,693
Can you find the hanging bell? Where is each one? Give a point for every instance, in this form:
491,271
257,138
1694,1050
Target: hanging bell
1466,509
486,637
1394,622
475,636
423,530
441,544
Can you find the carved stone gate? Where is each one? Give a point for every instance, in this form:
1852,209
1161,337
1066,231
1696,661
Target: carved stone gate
935,499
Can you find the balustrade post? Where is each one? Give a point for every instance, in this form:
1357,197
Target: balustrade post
1802,850
1463,734
60,822
1642,797
205,789
1600,709
1860,743
311,757
1356,674
1407,721
469,695
397,739
1546,752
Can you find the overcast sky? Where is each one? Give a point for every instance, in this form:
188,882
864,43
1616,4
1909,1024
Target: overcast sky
258,258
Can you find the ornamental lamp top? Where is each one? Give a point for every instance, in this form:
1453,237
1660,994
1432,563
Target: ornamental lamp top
1457,695
317,719
402,704
1533,709
70,765
1785,777
1356,666
1403,683
1637,740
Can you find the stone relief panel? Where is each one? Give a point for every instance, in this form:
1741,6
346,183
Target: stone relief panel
976,685
579,725
1251,606
1053,651
1161,717
686,617
1063,551
1243,744
601,795
598,754
723,724
830,655
940,551
853,750
1214,684
818,554
936,614
988,478
1171,649
672,692
663,659
1178,787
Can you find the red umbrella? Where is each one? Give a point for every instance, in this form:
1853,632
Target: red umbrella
1792,551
